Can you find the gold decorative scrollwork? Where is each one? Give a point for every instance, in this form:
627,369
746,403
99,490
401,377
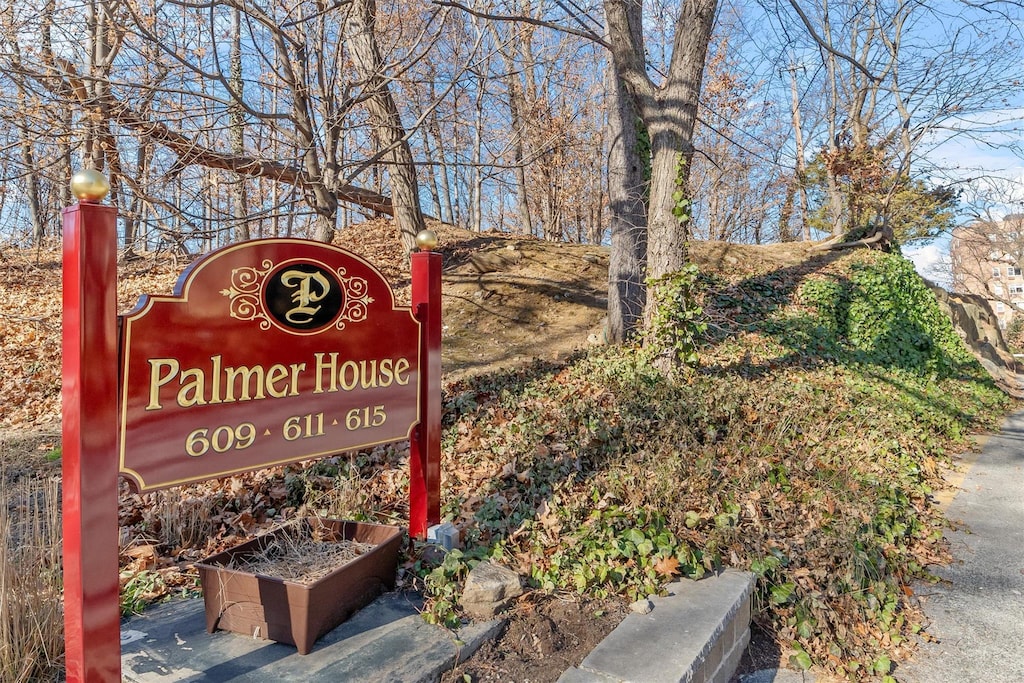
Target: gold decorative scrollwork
357,299
247,303
244,293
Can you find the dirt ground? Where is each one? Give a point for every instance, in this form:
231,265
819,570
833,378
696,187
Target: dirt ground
545,635
28,454
506,300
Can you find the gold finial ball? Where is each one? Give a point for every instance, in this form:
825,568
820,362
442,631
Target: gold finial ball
426,240
89,185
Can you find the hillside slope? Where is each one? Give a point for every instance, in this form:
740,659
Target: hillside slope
805,446
507,300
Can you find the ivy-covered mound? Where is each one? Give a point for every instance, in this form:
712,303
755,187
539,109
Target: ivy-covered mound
804,447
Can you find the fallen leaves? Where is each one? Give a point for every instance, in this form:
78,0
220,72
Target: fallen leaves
667,567
30,328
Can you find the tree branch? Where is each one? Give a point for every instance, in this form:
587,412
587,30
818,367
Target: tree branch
589,35
190,152
828,48
832,245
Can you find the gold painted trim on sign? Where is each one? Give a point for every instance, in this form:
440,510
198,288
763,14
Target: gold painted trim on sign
181,294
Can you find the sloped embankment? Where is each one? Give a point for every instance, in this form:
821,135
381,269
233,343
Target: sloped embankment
805,447
977,325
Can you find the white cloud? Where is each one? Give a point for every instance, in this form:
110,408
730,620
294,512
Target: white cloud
932,260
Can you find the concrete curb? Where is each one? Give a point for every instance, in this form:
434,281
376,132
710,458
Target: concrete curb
695,634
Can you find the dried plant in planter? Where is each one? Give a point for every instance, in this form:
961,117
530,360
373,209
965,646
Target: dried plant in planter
303,553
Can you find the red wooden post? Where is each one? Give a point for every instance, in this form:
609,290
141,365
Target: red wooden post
92,636
425,446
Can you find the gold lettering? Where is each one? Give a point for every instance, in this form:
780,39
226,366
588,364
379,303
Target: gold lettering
387,376
369,375
193,385
215,380
331,368
401,366
246,375
296,369
275,374
158,379
309,289
242,383
331,375
346,384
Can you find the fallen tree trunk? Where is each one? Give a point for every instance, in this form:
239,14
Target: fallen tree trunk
832,245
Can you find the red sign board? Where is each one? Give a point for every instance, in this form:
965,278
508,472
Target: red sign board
269,352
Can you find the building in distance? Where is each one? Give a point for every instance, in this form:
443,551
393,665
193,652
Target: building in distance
987,259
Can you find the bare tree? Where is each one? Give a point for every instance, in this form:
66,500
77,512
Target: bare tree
385,119
898,72
669,113
155,80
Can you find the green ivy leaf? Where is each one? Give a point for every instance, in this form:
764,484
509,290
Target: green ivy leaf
801,660
781,593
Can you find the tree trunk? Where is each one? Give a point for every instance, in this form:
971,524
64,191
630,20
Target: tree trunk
669,112
627,291
98,50
785,230
35,209
239,208
433,163
835,197
517,107
476,190
386,121
535,115
667,234
800,167
442,156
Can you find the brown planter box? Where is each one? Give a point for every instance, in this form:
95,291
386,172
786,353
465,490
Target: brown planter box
291,612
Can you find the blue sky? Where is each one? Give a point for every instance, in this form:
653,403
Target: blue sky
988,163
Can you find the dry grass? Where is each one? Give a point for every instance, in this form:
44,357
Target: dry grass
182,519
31,614
297,553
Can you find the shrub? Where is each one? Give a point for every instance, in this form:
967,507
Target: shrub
884,312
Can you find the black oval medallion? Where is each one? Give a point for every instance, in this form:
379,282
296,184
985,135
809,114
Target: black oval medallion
303,296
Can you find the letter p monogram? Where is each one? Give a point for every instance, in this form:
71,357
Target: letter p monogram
309,288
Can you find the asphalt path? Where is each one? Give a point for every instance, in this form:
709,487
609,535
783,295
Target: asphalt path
976,611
